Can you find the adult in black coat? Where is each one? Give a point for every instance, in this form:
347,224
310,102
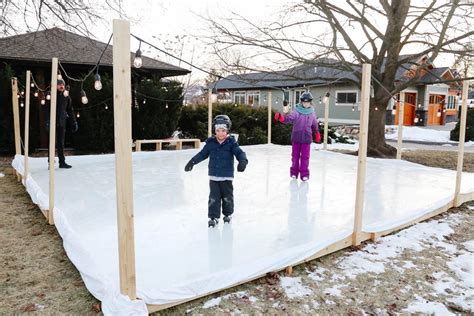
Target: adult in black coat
64,111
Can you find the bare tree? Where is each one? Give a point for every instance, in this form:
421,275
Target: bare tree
356,32
33,15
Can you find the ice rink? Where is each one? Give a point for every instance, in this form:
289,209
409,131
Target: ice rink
277,221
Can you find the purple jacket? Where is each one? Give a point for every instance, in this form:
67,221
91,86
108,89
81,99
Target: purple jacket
305,124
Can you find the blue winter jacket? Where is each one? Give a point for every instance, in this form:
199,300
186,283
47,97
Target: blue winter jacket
221,156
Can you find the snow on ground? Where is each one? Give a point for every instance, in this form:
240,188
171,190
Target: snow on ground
293,287
419,134
1,175
216,301
426,307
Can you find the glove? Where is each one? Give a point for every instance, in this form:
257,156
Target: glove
75,127
318,137
279,117
242,165
189,166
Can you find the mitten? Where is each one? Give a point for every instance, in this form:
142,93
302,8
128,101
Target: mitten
318,137
189,166
75,127
279,117
242,165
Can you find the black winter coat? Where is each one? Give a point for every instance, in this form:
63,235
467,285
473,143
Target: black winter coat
64,110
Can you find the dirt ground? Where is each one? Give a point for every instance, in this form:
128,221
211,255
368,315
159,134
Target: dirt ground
36,275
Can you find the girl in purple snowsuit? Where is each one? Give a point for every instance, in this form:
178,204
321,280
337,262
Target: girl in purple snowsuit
305,125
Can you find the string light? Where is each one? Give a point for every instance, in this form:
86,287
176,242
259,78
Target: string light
78,115
144,101
326,97
32,85
66,91
84,99
106,107
48,96
353,108
22,92
22,104
60,76
137,61
36,94
43,101
166,105
97,83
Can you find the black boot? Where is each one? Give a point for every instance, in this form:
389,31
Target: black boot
213,222
227,219
64,165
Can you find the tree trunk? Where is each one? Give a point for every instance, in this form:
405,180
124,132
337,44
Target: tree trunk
376,146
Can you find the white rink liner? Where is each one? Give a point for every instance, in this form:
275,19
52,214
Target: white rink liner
277,222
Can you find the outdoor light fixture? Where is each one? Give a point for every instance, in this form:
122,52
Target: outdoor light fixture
438,114
394,110
66,91
137,62
97,83
84,99
416,119
48,96
326,97
353,109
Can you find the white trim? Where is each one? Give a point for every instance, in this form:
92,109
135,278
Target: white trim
239,91
346,91
344,121
300,90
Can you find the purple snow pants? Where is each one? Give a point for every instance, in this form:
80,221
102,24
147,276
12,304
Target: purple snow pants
300,160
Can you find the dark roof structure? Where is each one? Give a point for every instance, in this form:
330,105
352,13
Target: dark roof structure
40,47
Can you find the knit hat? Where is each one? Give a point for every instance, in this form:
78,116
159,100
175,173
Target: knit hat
61,81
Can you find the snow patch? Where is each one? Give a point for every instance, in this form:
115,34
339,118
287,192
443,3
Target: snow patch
334,291
426,307
212,302
463,266
1,175
293,287
408,265
469,245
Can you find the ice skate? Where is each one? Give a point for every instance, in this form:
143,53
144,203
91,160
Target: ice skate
227,219
213,222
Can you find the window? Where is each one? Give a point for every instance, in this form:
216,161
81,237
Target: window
239,97
253,98
451,104
346,97
298,93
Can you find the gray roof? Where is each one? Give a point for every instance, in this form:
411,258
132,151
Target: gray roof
434,75
70,48
302,75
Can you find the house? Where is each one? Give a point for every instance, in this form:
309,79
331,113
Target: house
426,103
77,55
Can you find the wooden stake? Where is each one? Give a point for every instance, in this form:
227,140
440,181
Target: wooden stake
52,137
289,270
462,136
269,117
401,110
209,112
326,122
27,124
16,116
123,156
364,123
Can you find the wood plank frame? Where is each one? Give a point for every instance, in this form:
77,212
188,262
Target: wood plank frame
269,128
326,121
462,135
123,156
209,111
363,134
16,121
27,126
401,113
52,137
159,142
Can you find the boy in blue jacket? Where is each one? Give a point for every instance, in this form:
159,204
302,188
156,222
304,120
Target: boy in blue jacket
221,150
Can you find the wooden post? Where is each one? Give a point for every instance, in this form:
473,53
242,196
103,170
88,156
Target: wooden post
269,117
209,112
52,137
326,121
364,123
123,156
401,110
462,136
16,116
27,125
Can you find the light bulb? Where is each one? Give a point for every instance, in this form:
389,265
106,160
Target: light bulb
97,83
60,76
326,97
394,112
166,105
78,115
376,108
43,101
84,99
48,96
36,94
137,62
353,109
22,92
144,101
22,104
416,120
66,91
32,85
438,114
18,96
106,107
